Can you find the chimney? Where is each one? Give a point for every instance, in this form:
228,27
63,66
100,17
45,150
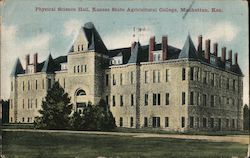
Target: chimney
151,48
230,55
207,50
35,62
199,48
216,49
223,54
236,58
164,46
27,62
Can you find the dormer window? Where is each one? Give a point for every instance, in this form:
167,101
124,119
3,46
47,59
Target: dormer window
117,60
30,69
228,65
213,60
64,66
157,55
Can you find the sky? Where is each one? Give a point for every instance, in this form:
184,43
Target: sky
27,30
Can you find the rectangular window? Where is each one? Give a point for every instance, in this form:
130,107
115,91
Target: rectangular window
132,99
132,77
121,121
233,123
36,85
11,86
227,123
43,84
63,82
121,79
81,68
36,103
159,99
156,122
191,98
204,122
182,122
107,99
156,99
74,69
146,77
114,81
145,122
166,122
23,103
204,100
212,122
113,100
167,75
212,100
219,123
198,98
198,122
154,76
234,85
31,103
28,85
205,77
121,100
212,79
183,74
23,85
228,83
191,124
183,98
85,68
167,99
131,121
28,103
191,73
107,79
158,76
146,99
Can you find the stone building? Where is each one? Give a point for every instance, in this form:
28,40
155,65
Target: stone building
155,86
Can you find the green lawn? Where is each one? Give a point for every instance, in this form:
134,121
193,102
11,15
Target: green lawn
49,145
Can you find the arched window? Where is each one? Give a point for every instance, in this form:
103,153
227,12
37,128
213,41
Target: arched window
80,92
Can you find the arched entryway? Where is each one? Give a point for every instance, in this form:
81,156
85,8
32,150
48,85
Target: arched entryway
80,100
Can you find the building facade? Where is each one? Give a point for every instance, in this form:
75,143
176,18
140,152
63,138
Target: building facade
151,86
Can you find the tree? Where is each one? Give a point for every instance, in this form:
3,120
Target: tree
246,118
56,109
94,117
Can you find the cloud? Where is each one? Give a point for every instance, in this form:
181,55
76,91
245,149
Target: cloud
124,38
12,48
225,31
71,27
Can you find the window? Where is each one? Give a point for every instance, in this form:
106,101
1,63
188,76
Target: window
81,68
31,103
82,47
114,81
166,122
78,48
145,122
191,98
132,77
212,122
113,100
78,68
121,100
205,77
182,122
167,75
212,100
167,99
227,83
36,103
191,73
74,69
183,98
107,79
227,123
204,100
131,121
43,84
11,119
146,77
183,74
146,99
156,99
234,85
191,124
85,68
63,82
204,122
198,122
23,85
28,119
80,92
156,122
23,119
212,79
121,79
156,76
132,99
28,85
107,99
23,103
219,123
36,85
198,98
233,123
49,83
197,73
28,103
121,121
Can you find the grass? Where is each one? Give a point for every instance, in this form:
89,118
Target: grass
65,145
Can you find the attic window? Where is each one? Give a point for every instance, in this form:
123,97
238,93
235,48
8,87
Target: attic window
80,92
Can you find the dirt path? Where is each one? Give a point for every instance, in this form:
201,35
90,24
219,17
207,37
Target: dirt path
243,139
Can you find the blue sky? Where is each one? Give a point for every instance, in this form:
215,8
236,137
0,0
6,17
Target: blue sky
25,31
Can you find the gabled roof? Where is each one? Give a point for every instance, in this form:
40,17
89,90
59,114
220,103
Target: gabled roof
93,38
17,69
188,50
